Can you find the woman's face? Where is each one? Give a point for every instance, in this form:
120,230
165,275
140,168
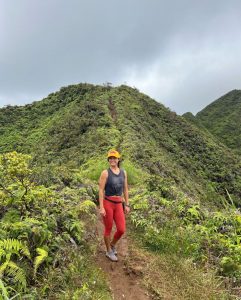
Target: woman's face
113,161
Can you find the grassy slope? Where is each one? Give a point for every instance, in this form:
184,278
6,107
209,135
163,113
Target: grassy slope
83,121
222,119
170,277
165,144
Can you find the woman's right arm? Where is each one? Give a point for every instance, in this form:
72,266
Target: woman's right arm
102,182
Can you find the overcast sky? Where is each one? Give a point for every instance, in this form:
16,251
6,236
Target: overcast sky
183,53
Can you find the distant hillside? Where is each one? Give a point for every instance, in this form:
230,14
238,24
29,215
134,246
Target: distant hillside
81,122
223,119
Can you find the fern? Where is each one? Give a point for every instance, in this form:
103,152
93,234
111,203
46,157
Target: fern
3,291
12,270
17,273
10,246
43,254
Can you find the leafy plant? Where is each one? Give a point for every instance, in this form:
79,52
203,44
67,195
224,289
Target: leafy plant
8,249
42,255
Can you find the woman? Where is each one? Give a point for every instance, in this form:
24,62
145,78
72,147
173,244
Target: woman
112,185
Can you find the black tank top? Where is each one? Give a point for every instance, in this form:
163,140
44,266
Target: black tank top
115,183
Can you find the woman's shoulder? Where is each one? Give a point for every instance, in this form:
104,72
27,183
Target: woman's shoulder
104,172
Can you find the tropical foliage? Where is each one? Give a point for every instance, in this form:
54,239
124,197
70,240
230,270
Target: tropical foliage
185,189
36,222
172,223
222,119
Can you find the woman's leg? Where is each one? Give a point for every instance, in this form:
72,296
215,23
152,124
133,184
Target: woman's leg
120,222
108,222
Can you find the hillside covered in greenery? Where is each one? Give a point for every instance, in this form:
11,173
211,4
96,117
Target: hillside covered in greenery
222,119
82,122
185,193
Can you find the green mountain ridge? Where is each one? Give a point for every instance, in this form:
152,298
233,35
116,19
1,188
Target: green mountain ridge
222,119
81,122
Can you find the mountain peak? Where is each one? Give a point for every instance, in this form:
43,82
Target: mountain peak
222,119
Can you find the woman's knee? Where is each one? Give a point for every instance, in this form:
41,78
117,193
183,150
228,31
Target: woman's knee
107,230
119,233
121,230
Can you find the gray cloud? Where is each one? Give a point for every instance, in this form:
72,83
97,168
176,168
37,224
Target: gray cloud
183,53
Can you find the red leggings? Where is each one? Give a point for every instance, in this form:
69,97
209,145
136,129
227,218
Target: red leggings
114,211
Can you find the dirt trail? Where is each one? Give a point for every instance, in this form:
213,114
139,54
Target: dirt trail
124,276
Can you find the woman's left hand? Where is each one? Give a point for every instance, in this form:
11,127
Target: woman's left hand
127,209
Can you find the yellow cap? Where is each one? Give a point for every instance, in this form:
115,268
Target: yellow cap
113,153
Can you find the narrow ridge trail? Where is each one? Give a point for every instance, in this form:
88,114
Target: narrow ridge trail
124,278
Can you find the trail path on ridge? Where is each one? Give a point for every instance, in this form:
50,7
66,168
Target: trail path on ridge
125,275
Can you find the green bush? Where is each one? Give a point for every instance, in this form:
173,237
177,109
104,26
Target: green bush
186,229
35,222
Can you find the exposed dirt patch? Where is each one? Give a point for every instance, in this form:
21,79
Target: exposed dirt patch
124,276
112,109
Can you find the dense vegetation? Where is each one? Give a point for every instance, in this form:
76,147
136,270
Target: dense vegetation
222,119
171,223
82,122
45,245
186,187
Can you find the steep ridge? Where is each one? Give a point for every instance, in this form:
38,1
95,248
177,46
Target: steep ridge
82,122
165,144
222,119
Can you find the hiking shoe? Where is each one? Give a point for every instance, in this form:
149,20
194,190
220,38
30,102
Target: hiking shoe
113,248
111,256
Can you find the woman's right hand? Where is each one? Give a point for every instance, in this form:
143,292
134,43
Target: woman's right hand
102,211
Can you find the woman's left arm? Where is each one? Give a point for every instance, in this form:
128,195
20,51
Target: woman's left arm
126,194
